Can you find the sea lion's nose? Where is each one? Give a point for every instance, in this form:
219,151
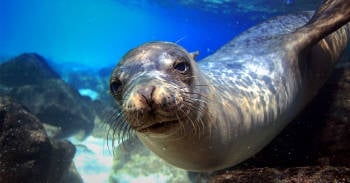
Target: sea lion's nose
147,93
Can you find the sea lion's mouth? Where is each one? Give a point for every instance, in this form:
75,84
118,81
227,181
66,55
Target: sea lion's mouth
160,127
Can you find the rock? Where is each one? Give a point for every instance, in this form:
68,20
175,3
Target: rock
84,79
72,176
26,153
28,79
51,131
106,72
26,69
315,147
87,79
55,103
292,175
334,136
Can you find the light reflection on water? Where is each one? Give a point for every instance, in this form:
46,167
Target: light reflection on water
93,160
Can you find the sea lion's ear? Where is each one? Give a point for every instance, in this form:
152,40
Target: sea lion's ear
194,54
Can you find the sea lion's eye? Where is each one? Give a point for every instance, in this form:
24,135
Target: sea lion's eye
182,67
115,86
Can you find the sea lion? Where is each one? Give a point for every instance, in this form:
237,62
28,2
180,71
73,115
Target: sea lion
217,112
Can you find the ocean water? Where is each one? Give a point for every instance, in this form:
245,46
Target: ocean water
93,34
97,33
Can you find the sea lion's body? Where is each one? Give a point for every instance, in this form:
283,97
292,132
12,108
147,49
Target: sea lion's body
240,97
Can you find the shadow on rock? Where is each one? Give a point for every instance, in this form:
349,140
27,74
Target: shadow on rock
26,152
29,80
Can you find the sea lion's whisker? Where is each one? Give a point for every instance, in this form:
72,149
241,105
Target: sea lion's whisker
113,123
204,101
125,131
195,108
193,93
120,128
181,123
192,105
201,109
198,123
194,102
194,124
201,85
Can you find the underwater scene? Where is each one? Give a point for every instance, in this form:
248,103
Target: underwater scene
174,91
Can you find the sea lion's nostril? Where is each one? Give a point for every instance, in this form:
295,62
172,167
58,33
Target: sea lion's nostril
147,93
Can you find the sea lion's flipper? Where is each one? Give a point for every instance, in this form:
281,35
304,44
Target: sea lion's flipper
330,16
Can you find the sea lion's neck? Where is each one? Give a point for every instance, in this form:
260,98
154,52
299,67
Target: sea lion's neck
252,98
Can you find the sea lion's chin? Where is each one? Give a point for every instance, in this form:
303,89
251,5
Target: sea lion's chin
162,127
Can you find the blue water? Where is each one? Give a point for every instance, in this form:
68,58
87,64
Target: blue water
98,32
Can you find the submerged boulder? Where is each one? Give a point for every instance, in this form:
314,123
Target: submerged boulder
26,69
29,79
26,152
90,82
312,174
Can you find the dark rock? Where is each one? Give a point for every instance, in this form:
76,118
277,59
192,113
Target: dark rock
83,79
89,79
26,153
26,69
289,175
106,72
72,176
28,79
315,147
51,131
56,103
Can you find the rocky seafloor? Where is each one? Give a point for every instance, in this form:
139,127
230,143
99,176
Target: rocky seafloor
39,111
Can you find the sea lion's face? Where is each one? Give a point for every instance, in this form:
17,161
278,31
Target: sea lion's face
152,85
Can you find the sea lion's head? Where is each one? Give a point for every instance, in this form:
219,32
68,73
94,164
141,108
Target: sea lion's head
156,89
